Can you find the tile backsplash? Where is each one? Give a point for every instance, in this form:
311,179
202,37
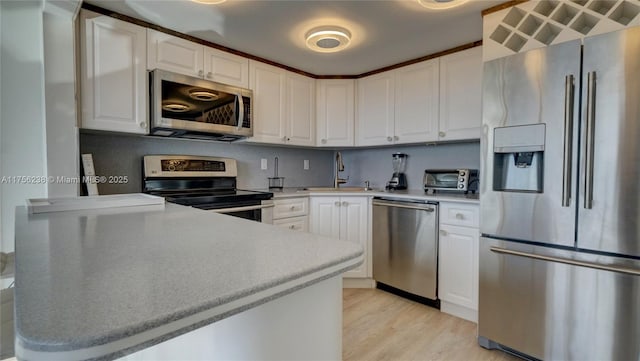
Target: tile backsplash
375,165
122,155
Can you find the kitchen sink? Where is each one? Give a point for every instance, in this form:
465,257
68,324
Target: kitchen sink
340,189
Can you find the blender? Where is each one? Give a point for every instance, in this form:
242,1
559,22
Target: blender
398,179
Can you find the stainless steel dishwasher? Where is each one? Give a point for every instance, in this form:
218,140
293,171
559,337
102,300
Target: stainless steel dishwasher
405,248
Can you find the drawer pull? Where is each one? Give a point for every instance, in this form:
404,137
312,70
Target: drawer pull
443,232
337,204
459,216
292,227
293,208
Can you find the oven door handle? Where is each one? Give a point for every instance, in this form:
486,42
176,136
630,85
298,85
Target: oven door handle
240,209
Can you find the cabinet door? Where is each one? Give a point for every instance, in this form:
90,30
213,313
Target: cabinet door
354,226
324,216
416,102
113,74
301,110
458,265
461,95
269,110
226,68
375,110
174,54
335,112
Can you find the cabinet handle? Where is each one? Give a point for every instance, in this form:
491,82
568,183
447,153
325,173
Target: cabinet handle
323,141
344,204
143,124
200,73
443,232
459,216
395,137
337,204
292,227
293,208
209,75
389,139
442,134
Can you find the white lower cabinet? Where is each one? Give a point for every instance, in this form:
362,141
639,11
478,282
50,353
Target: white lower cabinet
458,260
291,213
345,218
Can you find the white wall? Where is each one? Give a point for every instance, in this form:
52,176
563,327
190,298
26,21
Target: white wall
22,128
60,102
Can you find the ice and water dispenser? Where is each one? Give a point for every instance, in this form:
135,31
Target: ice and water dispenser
518,162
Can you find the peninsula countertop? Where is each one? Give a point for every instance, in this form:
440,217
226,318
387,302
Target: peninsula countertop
105,283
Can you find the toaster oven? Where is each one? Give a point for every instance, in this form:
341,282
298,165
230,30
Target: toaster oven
451,180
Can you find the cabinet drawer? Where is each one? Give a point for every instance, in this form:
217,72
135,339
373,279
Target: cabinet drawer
455,214
294,223
292,207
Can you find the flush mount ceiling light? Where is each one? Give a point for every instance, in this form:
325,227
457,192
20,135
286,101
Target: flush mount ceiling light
441,4
328,39
175,107
209,2
203,95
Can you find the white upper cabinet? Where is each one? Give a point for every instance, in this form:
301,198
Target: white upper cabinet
182,56
269,99
461,95
399,106
174,54
113,74
301,110
375,111
416,103
284,106
335,112
226,68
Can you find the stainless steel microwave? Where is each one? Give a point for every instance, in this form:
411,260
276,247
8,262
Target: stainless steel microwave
188,107
456,180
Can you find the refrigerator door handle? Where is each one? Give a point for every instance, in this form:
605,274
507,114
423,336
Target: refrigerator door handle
568,140
590,134
618,269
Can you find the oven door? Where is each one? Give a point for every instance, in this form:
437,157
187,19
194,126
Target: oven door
261,212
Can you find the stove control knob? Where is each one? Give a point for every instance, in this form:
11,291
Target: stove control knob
462,173
461,179
172,167
460,186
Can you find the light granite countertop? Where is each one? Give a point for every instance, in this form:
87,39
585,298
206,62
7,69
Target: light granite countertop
405,194
109,282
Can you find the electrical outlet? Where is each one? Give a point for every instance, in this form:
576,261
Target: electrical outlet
263,164
306,164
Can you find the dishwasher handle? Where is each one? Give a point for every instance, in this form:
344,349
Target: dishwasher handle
408,205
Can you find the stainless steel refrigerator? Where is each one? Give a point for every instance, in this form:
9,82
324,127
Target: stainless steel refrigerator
560,201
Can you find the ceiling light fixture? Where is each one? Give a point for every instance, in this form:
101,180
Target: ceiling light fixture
328,39
209,2
441,4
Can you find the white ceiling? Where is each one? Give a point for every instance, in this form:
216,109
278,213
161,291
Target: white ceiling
383,32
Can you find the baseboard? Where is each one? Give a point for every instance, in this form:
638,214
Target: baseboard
358,283
459,311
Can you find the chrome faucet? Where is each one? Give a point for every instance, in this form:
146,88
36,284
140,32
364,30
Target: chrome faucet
339,168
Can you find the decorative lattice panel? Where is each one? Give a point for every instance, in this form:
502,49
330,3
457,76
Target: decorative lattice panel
535,24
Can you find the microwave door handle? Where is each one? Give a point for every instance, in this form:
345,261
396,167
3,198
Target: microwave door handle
241,113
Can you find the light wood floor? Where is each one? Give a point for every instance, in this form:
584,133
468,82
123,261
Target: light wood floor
381,326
